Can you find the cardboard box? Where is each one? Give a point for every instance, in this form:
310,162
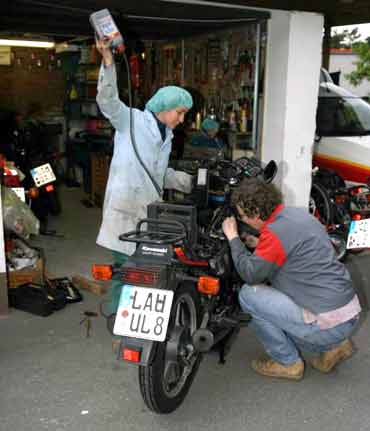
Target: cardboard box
92,286
30,274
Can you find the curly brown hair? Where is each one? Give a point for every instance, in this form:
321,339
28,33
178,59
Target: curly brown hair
256,198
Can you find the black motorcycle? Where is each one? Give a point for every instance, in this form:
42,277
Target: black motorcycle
336,205
33,155
180,289
330,202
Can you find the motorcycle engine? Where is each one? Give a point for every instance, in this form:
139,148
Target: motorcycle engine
221,263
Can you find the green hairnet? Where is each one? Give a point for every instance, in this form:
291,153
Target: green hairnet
170,97
209,124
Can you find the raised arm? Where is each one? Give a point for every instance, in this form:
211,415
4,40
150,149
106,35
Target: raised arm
107,98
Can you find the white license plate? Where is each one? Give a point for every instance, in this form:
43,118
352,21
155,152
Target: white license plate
43,174
143,313
19,191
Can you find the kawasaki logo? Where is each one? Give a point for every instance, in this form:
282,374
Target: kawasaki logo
157,250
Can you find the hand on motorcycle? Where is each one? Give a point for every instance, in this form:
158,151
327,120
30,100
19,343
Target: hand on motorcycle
230,228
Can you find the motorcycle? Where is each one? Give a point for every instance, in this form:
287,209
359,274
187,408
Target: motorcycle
330,204
336,205
179,298
32,156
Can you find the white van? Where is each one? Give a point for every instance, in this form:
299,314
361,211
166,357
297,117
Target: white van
342,132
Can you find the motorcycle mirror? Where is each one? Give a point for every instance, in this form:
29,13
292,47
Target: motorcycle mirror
269,171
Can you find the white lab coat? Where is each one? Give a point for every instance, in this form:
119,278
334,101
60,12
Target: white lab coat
129,189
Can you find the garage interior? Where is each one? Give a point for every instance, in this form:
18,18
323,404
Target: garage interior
56,375
83,136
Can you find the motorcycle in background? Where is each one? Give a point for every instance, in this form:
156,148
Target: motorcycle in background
329,203
336,205
31,154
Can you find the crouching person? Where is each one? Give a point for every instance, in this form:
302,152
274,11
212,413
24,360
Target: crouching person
299,295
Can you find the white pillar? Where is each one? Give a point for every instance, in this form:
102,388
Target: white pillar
293,61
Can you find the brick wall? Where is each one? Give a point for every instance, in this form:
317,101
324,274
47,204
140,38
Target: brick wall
35,77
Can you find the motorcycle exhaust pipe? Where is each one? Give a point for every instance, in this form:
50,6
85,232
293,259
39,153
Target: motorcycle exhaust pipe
203,340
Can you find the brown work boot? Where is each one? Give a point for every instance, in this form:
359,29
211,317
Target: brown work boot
326,361
271,368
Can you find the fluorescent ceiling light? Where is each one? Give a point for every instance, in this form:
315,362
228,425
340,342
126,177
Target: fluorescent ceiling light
27,43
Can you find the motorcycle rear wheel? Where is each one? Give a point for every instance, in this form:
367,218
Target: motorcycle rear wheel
320,205
164,383
339,242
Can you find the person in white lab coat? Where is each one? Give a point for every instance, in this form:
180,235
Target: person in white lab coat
129,188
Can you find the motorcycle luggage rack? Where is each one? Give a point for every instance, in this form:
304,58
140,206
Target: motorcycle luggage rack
177,234
185,214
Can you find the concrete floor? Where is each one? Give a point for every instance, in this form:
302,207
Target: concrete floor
54,378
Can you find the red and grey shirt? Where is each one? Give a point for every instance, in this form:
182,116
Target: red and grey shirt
295,255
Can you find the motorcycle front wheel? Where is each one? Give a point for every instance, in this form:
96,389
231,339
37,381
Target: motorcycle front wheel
166,381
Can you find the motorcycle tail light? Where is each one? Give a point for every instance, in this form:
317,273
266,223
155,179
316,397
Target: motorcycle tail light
131,355
49,188
357,217
33,192
12,181
146,277
102,272
209,285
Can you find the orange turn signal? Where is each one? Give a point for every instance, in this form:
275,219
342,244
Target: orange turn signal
209,285
33,192
102,272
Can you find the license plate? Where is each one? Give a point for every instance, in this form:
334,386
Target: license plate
43,174
19,191
143,313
